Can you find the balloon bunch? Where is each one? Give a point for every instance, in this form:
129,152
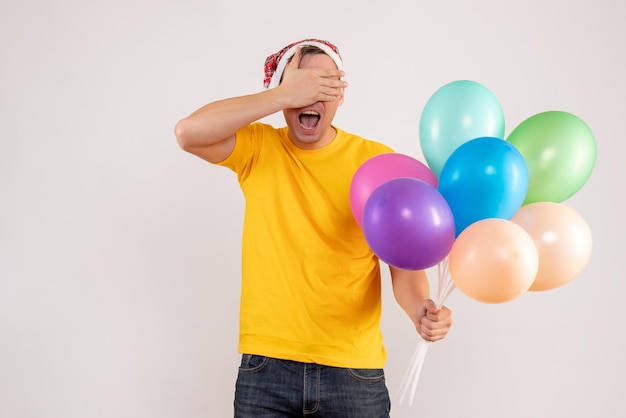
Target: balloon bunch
485,209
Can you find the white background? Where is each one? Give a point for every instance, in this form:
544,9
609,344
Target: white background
119,253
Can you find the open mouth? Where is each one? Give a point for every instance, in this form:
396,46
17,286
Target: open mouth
309,119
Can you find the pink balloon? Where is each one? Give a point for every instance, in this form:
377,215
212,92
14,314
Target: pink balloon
380,169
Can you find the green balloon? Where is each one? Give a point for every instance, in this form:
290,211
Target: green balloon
560,152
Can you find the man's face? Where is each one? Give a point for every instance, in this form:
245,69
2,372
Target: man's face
310,127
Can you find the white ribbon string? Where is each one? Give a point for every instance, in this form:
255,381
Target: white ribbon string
411,376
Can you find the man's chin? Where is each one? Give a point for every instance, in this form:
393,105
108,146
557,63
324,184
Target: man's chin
309,138
308,134
306,141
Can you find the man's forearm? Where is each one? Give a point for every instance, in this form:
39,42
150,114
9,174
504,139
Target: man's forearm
410,289
219,120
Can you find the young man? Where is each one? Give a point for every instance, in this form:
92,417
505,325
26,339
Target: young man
310,333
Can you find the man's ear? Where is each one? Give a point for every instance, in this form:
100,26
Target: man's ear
343,92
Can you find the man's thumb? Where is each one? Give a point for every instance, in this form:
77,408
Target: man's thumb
430,306
295,60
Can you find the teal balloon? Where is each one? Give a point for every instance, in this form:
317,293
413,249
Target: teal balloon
560,151
456,113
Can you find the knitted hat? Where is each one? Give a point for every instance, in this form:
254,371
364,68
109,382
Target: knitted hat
275,64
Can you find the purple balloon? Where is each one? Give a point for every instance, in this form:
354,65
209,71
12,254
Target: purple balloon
408,224
379,169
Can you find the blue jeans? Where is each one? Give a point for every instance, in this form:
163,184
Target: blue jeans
271,388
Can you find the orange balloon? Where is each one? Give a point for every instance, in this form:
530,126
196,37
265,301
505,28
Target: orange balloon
563,241
493,260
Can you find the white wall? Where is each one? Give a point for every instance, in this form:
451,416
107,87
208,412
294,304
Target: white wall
119,253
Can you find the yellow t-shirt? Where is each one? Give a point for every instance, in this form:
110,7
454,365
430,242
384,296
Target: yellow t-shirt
311,288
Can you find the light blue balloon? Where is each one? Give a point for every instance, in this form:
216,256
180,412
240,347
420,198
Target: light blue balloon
483,178
456,113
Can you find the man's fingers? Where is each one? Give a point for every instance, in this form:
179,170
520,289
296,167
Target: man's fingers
434,323
432,331
330,73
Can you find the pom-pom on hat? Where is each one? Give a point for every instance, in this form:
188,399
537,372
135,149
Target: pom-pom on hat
275,64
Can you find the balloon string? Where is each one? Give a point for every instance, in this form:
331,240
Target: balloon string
412,374
446,284
408,375
418,368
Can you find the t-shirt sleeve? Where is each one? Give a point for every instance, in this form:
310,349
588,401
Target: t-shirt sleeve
247,146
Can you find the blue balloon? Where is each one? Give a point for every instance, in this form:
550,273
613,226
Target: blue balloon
408,224
483,178
456,113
